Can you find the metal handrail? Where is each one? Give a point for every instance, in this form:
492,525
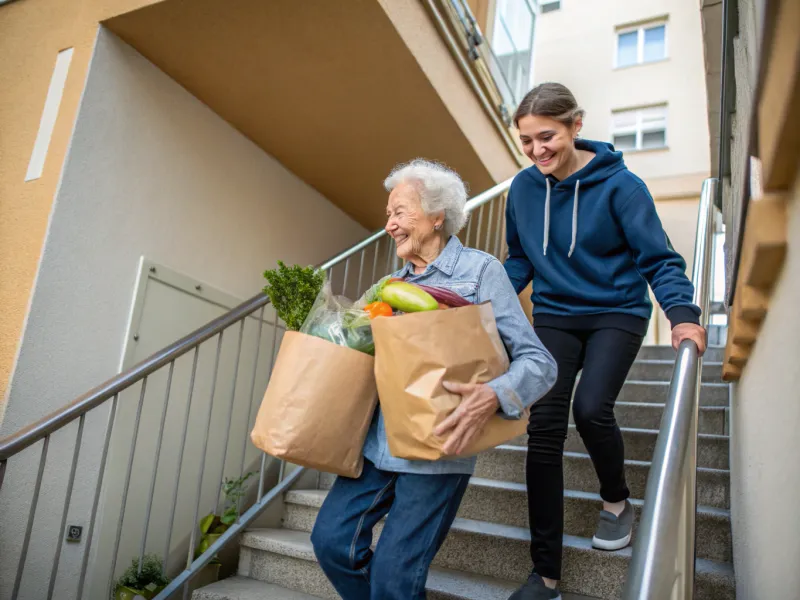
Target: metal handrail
34,432
664,552
489,235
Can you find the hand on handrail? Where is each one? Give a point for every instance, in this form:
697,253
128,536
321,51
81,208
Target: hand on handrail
690,331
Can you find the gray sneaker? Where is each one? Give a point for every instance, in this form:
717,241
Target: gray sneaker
535,589
614,532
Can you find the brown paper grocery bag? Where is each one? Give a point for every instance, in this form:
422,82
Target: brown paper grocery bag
414,354
318,405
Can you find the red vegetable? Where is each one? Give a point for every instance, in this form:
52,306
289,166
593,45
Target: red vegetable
444,296
378,309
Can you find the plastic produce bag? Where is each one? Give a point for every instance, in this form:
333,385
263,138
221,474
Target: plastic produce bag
340,321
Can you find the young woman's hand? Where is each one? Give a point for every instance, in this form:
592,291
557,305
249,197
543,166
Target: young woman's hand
478,404
689,331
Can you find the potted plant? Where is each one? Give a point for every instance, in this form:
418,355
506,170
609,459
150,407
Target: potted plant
136,583
213,525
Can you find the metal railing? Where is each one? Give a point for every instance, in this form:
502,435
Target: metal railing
350,272
663,562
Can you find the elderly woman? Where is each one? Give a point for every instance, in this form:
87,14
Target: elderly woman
425,211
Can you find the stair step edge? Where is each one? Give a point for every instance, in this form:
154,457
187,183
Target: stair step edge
661,361
649,431
245,588
297,544
314,498
584,456
657,405
705,384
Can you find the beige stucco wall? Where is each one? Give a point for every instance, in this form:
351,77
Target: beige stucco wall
765,445
152,172
33,32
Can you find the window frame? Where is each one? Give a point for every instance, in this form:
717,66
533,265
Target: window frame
639,128
640,29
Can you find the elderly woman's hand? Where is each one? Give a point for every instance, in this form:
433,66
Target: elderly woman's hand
478,404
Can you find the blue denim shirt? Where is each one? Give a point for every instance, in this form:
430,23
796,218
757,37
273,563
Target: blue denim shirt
478,277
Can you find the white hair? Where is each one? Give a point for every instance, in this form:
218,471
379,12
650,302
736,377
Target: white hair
440,189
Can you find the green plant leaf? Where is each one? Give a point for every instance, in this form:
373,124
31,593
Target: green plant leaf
151,573
230,515
206,522
292,291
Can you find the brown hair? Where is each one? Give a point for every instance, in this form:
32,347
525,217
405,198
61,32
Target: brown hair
549,100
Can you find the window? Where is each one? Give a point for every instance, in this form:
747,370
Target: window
546,6
512,47
640,129
642,44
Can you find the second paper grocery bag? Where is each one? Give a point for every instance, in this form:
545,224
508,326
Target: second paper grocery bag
415,354
318,405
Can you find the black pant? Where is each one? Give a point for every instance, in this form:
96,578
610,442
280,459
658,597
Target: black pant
605,356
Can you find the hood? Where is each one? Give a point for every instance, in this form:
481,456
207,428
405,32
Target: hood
605,163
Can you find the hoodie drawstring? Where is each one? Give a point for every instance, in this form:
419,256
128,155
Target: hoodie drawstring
574,219
547,218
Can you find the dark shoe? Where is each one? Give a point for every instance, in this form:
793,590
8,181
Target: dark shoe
614,532
535,589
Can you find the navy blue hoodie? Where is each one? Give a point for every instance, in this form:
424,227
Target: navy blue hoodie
591,244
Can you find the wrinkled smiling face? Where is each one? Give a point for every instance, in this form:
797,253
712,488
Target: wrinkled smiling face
547,142
407,222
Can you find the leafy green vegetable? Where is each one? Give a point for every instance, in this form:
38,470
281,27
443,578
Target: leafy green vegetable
292,291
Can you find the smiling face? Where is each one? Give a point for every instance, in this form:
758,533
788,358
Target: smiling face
415,233
549,143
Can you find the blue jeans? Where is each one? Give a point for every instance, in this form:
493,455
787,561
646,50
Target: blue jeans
422,510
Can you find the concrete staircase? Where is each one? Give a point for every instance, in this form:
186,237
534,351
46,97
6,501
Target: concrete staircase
486,555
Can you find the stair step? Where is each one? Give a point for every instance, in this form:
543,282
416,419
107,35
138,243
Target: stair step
506,503
713,353
442,583
647,415
711,394
244,588
486,550
661,370
713,451
507,463
301,571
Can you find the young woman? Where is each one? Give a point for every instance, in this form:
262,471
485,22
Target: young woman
585,230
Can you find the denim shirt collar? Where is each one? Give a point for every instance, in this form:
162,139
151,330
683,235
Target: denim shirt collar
445,262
